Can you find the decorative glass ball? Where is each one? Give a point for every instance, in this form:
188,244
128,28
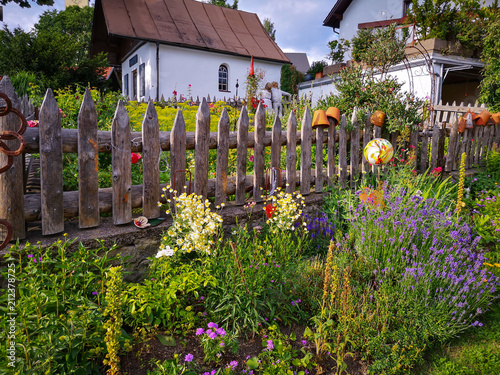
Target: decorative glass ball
378,151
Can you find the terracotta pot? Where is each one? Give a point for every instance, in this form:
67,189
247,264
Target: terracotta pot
378,118
496,117
483,117
318,75
333,112
320,118
461,125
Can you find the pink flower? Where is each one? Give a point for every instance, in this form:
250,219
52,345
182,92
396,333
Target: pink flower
33,123
174,92
251,158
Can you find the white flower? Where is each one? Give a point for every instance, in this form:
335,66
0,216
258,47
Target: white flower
166,251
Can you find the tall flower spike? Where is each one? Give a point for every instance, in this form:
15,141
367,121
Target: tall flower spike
461,179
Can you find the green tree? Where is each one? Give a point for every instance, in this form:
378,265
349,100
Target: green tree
223,3
269,27
290,78
56,50
490,85
26,4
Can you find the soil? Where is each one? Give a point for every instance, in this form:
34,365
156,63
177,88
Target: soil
141,358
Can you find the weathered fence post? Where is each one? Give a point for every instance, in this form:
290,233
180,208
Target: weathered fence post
343,151
88,164
150,162
241,157
51,166
178,154
222,158
122,166
291,153
367,133
454,138
11,181
259,153
276,153
354,148
305,153
331,151
436,135
201,154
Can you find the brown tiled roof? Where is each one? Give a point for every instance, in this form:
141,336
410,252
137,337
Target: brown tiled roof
190,23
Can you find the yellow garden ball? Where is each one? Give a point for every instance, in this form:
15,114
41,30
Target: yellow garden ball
378,151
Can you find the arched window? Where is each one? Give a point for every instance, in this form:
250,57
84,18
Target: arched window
223,78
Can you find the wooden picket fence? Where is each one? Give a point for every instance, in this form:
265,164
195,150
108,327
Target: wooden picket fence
51,206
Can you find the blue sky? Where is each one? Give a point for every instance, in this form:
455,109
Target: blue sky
298,23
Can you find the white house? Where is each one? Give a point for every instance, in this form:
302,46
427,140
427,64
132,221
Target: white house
183,46
426,71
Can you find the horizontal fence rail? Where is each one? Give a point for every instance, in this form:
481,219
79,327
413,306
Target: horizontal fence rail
51,206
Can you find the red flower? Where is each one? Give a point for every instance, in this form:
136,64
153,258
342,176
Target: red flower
270,209
174,92
135,157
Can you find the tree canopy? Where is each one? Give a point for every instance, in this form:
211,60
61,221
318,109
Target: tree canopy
269,27
224,3
26,3
57,49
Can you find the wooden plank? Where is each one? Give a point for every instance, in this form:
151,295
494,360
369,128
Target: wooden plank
479,144
331,152
151,163
201,155
343,151
305,153
414,146
485,144
275,175
436,136
440,156
241,157
469,147
354,160
319,159
462,108
12,180
178,154
122,167
454,138
259,153
276,144
463,146
51,166
88,164
291,153
32,201
497,135
222,158
367,137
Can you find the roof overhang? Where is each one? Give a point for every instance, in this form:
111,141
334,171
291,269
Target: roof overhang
336,14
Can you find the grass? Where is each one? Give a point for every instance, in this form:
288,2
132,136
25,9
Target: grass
476,352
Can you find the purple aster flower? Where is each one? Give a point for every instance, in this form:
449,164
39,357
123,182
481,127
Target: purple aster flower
212,325
200,331
270,345
188,358
233,364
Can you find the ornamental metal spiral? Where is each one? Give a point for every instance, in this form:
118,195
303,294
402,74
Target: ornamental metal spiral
4,149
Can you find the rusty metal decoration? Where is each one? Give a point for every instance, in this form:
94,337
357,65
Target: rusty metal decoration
4,149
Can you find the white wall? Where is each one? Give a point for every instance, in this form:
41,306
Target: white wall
361,11
181,67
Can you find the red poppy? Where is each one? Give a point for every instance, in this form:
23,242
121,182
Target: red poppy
270,209
135,157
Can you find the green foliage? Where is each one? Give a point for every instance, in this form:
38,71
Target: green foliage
26,3
290,79
317,67
216,342
224,3
173,367
56,50
378,49
59,308
490,85
367,93
22,80
168,297
269,27
338,48
113,325
278,357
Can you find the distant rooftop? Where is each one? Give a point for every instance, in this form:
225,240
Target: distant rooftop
299,60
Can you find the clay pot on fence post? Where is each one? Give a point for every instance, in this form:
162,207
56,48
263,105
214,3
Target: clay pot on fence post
334,113
483,117
378,118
